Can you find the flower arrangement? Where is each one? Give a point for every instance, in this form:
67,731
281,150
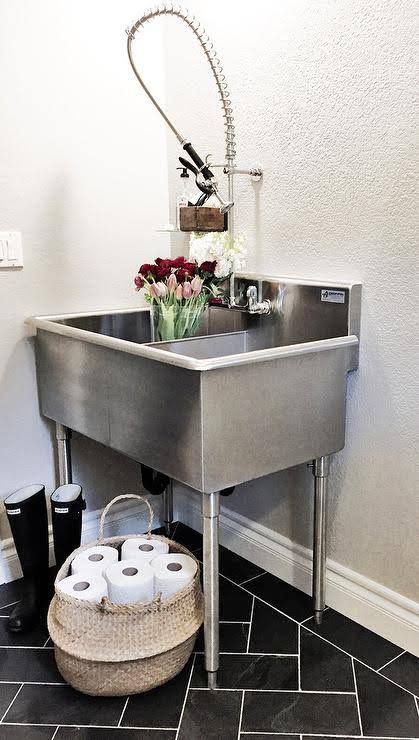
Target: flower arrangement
178,290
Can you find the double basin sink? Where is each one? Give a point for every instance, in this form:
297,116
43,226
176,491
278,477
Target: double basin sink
246,396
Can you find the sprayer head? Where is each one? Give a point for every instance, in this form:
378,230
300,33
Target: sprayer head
225,206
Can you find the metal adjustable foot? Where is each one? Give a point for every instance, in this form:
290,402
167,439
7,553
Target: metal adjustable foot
211,513
321,474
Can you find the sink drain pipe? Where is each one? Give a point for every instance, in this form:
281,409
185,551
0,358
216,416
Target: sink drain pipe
158,483
154,482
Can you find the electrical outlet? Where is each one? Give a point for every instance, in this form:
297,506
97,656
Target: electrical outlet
11,252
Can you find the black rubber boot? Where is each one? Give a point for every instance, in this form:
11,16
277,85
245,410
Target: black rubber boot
27,513
67,504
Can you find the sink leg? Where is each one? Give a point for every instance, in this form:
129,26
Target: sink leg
168,507
63,437
321,473
211,515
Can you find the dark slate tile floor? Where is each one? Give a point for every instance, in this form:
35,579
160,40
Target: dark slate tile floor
261,672
323,667
360,642
27,665
25,732
404,671
96,733
291,711
272,632
288,599
233,637
36,638
281,676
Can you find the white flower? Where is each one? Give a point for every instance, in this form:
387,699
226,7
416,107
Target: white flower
217,246
222,268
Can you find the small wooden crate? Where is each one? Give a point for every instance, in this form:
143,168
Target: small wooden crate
201,218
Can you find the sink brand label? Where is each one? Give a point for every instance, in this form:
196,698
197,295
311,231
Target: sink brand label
333,296
60,510
13,511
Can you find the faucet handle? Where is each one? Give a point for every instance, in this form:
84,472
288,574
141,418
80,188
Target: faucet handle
253,305
252,296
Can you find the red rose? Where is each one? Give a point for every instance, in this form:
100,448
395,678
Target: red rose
208,267
178,262
186,271
146,270
191,267
166,263
163,272
139,282
182,274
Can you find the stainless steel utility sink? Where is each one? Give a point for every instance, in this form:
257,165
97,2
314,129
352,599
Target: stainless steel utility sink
247,396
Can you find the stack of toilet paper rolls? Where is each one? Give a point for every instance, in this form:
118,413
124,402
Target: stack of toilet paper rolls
146,569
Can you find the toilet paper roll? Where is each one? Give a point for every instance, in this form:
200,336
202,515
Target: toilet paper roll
130,582
172,573
143,548
84,586
95,560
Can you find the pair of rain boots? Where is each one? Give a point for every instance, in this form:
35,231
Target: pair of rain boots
27,513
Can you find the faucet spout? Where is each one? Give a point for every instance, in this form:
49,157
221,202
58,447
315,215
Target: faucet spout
225,206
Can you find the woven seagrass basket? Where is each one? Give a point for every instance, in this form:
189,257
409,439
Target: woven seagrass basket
111,649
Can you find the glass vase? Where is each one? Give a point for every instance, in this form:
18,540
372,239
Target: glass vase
176,320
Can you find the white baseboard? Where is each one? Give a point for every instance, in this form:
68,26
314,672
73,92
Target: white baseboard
386,612
126,517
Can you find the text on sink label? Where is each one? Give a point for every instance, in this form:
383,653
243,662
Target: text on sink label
333,296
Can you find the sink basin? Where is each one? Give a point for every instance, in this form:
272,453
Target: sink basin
246,396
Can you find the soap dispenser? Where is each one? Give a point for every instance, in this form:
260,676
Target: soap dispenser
183,197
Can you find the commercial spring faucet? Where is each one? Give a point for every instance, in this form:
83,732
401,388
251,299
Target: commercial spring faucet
222,87
204,167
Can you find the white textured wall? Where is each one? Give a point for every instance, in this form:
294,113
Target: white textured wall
323,94
79,178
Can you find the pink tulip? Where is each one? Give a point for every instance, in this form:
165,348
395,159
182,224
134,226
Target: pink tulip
172,283
187,289
196,285
154,290
179,293
162,288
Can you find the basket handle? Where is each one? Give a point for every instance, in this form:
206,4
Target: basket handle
119,498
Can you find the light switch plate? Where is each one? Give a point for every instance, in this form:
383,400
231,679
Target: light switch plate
11,252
